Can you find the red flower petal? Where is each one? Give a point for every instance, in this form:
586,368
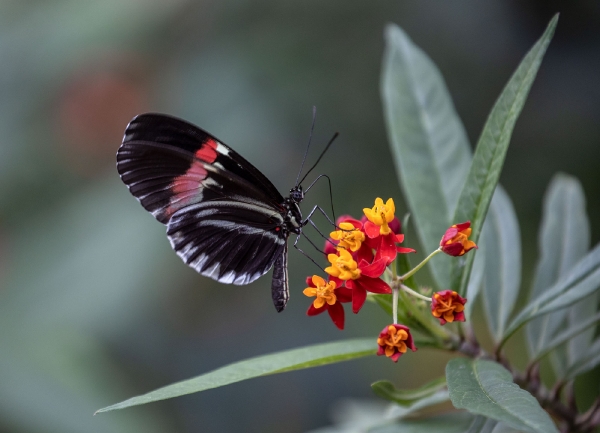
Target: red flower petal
336,280
371,230
460,227
309,282
330,247
343,294
387,249
450,233
373,270
402,250
349,219
456,249
364,253
312,311
359,295
336,312
374,285
395,225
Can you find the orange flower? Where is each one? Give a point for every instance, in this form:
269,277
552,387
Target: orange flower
455,241
448,306
394,341
329,297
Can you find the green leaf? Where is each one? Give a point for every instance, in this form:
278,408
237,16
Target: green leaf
428,141
486,388
406,397
570,333
564,239
459,422
588,361
582,280
295,359
491,150
482,424
400,412
476,281
502,262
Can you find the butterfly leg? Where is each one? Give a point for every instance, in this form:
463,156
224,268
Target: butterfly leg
314,209
303,253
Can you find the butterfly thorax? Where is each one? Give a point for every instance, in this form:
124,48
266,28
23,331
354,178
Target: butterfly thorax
293,216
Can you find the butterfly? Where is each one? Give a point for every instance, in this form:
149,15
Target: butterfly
224,218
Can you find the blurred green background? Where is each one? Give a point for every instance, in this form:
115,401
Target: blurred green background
94,305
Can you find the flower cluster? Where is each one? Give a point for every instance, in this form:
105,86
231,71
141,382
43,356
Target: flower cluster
359,252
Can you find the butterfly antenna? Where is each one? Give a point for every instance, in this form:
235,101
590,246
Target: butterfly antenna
312,128
321,156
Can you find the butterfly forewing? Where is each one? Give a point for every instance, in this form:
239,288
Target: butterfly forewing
224,217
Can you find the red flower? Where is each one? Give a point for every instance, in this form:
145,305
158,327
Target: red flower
385,245
329,297
394,341
360,277
455,241
448,306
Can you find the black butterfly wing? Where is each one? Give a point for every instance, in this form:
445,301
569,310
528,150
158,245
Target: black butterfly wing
224,217
168,164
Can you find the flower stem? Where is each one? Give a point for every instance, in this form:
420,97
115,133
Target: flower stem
413,293
419,266
395,303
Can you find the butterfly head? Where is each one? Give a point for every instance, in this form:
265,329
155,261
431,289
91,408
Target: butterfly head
297,194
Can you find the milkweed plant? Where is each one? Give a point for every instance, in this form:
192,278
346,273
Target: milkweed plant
469,234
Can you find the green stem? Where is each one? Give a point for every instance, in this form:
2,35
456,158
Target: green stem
395,303
419,266
413,293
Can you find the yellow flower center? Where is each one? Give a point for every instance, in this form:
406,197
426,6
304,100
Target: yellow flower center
349,237
446,307
323,291
394,341
343,265
381,214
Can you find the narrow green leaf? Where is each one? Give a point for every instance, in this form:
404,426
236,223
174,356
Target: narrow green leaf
428,141
482,424
400,412
564,239
476,281
406,397
568,334
581,281
486,388
295,359
459,422
588,361
502,262
491,150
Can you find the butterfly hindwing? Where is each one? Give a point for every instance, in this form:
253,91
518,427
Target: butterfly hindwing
231,242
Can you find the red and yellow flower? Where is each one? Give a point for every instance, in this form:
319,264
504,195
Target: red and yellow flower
455,241
394,341
360,277
448,306
351,236
381,227
329,297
